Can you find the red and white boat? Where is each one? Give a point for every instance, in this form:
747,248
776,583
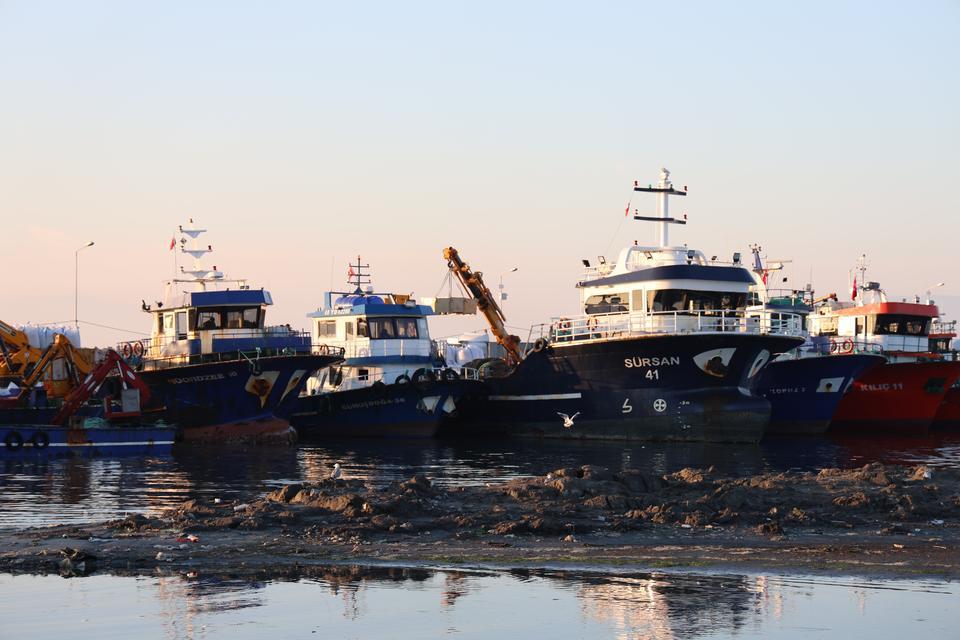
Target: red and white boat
907,392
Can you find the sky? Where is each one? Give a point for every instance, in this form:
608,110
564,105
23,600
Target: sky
303,134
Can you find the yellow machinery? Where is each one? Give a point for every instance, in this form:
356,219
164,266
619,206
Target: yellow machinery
472,282
60,366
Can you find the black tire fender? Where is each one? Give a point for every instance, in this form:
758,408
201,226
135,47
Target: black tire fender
40,440
14,440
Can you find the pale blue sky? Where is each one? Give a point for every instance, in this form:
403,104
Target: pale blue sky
302,133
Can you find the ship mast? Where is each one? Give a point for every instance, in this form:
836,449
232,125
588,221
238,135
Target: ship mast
356,277
664,190
199,275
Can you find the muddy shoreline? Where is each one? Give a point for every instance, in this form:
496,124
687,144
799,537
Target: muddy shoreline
875,520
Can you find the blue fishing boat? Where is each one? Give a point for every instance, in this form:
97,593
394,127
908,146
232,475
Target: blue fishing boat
391,382
664,349
103,415
213,365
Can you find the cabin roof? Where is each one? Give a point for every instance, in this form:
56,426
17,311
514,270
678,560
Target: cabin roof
902,308
676,272
378,309
227,298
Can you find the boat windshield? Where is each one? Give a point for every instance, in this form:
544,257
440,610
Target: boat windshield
691,300
387,328
900,324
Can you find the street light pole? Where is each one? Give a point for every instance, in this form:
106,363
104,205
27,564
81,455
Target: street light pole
501,285
76,282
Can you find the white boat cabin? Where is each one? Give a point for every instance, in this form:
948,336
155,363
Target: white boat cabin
204,316
666,289
384,336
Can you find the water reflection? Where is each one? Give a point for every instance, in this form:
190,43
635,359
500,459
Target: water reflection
345,601
41,491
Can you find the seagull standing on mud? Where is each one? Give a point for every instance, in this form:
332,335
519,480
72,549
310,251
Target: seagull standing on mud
568,420
336,473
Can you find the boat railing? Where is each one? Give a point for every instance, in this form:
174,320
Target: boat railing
625,325
836,345
149,356
366,348
356,380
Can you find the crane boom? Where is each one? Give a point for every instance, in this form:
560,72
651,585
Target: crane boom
472,282
95,378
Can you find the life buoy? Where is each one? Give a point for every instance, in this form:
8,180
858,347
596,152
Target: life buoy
540,345
450,375
126,350
834,347
138,349
402,379
13,440
40,440
424,375
847,346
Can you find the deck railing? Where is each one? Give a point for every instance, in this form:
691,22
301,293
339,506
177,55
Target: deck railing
151,354
625,325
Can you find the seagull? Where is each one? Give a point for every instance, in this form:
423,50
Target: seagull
568,420
336,473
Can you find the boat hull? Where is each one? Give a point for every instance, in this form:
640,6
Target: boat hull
690,387
903,396
948,414
235,401
91,437
804,393
410,410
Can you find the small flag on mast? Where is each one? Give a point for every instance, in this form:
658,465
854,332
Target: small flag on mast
173,243
853,290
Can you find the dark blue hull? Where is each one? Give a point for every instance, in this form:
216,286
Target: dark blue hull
411,410
658,387
233,401
87,437
804,393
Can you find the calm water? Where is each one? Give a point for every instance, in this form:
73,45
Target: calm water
349,602
38,491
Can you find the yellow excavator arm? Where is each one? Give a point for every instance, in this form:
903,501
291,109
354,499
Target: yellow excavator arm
32,364
472,282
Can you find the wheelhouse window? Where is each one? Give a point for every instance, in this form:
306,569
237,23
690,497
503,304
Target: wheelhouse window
208,319
606,303
691,300
391,328
227,318
900,324
252,318
326,328
406,327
